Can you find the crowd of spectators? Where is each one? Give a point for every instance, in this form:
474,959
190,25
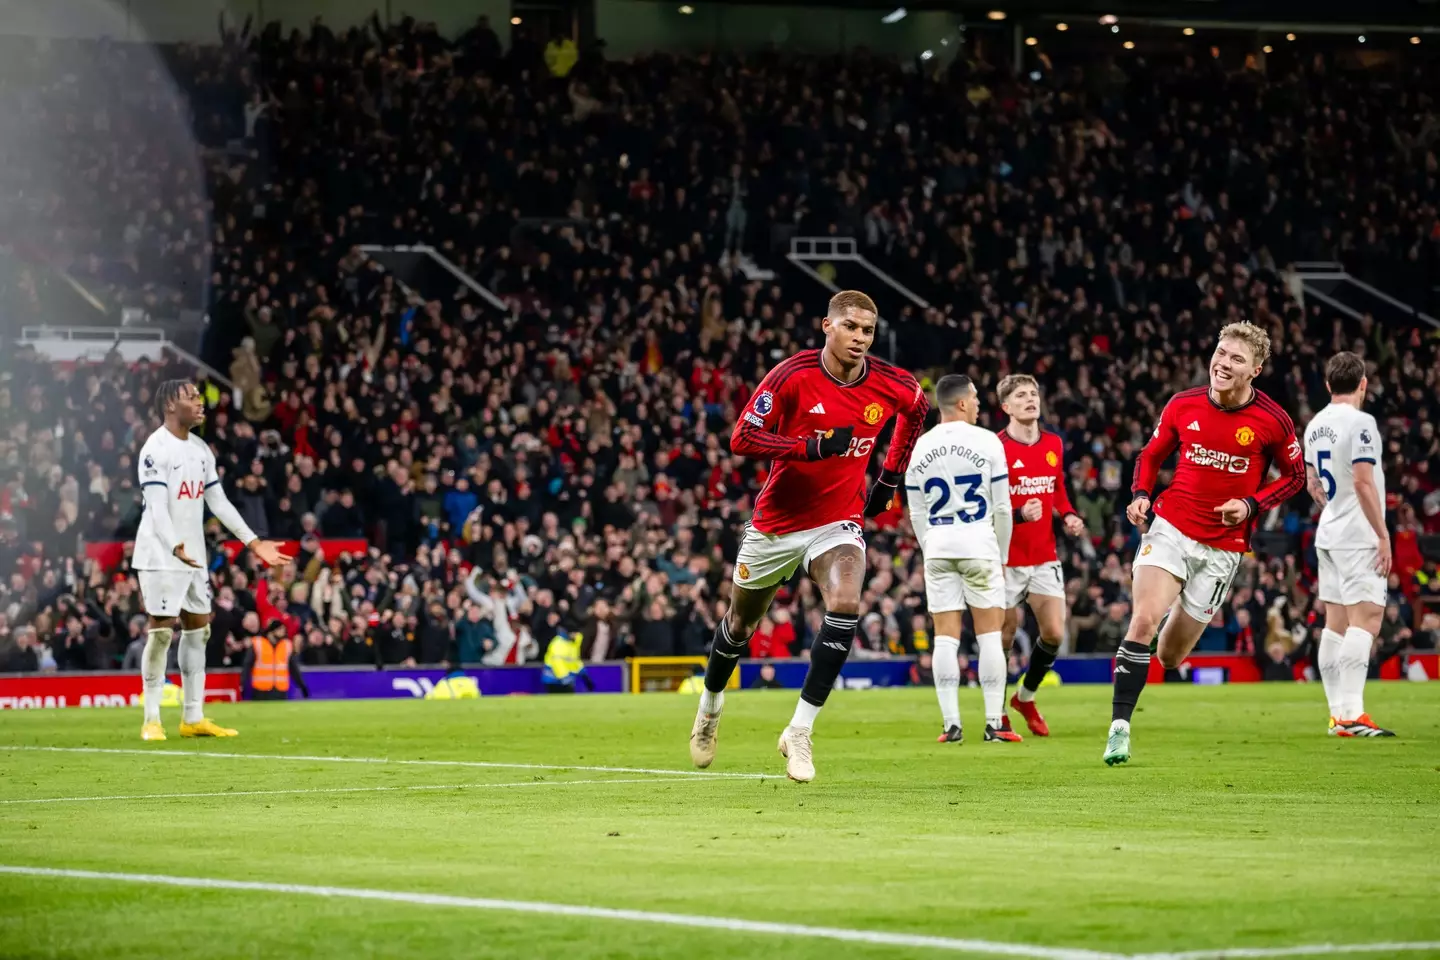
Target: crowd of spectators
565,464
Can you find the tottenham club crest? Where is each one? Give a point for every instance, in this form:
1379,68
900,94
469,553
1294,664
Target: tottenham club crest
764,403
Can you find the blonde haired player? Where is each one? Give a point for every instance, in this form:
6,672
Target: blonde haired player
1228,435
178,480
959,502
1342,462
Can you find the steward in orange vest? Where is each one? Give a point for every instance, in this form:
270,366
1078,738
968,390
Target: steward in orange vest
271,664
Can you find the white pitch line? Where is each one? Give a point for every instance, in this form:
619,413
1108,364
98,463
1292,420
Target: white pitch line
272,793
483,764
982,947
1307,950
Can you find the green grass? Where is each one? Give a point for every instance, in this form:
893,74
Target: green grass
1237,823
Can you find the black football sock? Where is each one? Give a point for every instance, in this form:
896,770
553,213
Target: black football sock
827,656
1040,660
1132,666
725,655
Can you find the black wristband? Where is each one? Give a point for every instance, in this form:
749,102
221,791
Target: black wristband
1254,506
890,477
812,448
1139,495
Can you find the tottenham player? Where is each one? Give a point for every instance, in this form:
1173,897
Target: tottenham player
178,480
1035,460
1228,434
816,417
959,503
1342,462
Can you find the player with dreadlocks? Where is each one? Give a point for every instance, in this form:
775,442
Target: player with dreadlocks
178,480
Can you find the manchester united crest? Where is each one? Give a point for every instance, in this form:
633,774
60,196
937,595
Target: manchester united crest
1145,550
744,572
873,413
1245,436
1051,459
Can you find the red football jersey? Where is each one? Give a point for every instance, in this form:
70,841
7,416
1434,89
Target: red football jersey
798,399
1037,471
1225,454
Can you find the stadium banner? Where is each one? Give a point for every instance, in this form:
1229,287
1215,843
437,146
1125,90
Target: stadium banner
368,684
100,689
110,554
855,675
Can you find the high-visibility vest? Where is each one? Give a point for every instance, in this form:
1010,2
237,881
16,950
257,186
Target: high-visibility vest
272,665
562,657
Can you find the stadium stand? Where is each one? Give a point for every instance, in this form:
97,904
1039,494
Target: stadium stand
464,481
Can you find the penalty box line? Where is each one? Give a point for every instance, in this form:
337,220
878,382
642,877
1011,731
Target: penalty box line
321,790
476,764
696,921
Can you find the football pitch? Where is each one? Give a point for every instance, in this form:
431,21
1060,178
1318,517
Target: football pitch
576,828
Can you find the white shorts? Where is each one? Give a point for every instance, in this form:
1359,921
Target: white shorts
1206,571
1348,576
766,559
1041,580
166,593
955,584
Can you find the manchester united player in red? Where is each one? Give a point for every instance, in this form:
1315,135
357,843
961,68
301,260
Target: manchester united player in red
815,416
1228,436
1036,463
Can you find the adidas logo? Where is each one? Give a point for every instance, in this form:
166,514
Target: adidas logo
1017,465
1120,668
818,408
1194,425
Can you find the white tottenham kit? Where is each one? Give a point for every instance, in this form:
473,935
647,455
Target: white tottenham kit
178,479
958,495
1339,437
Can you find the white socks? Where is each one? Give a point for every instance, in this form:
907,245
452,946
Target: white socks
1025,694
946,664
1329,664
152,670
192,672
805,714
1354,665
992,676
712,702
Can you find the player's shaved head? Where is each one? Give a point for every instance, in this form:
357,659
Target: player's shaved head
1344,373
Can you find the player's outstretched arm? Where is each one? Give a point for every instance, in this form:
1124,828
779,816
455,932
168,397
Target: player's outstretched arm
268,551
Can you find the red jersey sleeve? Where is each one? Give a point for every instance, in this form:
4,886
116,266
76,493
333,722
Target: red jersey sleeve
909,423
757,432
1163,442
1283,451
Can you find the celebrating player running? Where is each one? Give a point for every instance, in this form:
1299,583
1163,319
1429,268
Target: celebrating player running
1228,435
178,480
816,417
